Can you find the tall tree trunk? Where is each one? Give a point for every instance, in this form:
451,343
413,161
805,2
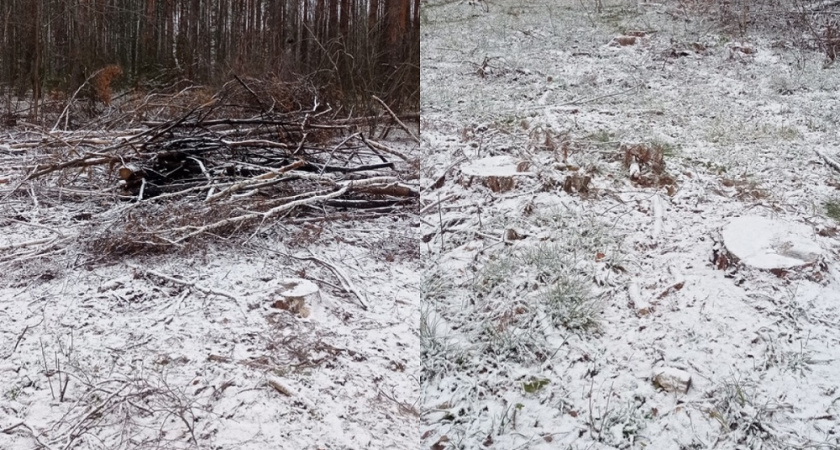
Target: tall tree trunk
36,61
344,20
332,23
373,14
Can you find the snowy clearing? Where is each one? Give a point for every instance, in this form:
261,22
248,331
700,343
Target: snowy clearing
578,306
298,333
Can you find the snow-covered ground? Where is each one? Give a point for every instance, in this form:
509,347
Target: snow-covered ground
570,298
195,349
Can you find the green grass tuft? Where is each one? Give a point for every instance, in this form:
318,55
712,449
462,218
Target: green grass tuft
832,209
569,303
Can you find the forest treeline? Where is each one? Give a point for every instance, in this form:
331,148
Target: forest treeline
352,49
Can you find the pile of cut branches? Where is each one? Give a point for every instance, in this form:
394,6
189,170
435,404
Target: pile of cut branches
233,164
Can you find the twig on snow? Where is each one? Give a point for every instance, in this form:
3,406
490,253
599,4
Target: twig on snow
342,277
17,342
432,205
203,289
829,160
198,287
439,180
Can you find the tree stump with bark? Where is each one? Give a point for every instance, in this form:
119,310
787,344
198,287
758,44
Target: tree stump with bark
785,249
498,173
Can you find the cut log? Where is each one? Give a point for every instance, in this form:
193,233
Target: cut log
785,249
129,172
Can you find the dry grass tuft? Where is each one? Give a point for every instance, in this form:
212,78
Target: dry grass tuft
650,161
649,156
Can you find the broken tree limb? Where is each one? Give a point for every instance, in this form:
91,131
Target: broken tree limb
397,119
255,181
392,189
91,159
256,215
378,146
265,143
251,91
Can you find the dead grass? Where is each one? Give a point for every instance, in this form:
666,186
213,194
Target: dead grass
745,189
650,161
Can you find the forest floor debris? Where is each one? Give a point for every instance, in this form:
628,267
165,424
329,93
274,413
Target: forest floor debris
140,268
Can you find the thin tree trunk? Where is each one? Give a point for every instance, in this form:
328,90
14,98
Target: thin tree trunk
36,62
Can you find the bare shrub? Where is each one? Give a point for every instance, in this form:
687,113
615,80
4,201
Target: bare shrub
102,82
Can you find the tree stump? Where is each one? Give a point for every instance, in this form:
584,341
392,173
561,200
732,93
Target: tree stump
292,294
496,172
785,249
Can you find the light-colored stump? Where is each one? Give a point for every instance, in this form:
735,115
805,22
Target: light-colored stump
786,249
498,173
293,295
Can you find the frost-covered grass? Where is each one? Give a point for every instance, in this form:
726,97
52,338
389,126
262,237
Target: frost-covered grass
832,209
747,418
569,303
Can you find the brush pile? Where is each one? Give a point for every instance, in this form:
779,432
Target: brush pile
244,159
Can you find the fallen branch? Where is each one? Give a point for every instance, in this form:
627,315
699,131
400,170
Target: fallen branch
392,189
84,161
397,119
190,284
378,146
256,181
6,248
828,160
345,281
342,277
256,215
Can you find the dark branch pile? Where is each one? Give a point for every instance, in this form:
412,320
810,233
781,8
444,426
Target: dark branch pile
243,160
